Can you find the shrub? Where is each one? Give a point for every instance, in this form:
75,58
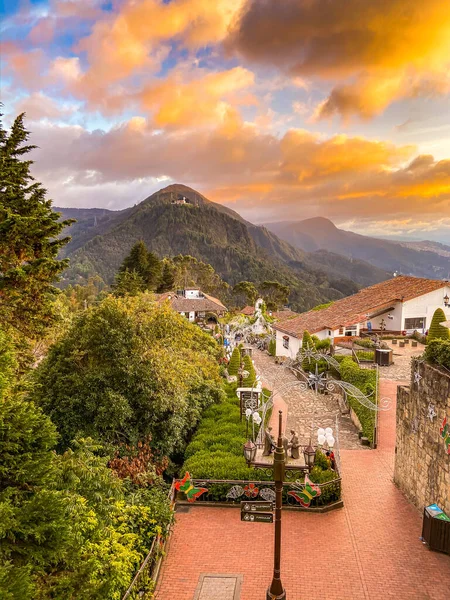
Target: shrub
438,331
438,352
272,347
364,380
235,362
364,355
365,343
248,366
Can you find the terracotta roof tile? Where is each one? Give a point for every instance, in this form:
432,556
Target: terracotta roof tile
182,304
354,309
248,311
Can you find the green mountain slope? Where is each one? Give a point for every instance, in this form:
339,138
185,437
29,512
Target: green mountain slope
237,249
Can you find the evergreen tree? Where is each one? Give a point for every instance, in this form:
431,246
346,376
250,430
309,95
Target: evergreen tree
146,264
247,290
235,362
438,331
128,283
29,239
167,281
250,380
272,347
275,294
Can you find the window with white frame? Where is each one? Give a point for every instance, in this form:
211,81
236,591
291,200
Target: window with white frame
415,323
351,330
285,341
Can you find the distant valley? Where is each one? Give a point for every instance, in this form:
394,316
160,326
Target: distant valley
422,259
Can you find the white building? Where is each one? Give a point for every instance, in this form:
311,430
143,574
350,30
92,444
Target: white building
194,304
402,304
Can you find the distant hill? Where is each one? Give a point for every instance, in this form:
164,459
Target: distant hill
179,220
422,259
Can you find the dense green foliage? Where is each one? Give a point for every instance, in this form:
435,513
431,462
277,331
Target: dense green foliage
438,352
235,362
65,519
275,294
216,450
438,331
237,250
364,380
245,291
126,369
365,355
29,239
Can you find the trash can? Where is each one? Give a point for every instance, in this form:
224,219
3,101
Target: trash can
383,358
436,529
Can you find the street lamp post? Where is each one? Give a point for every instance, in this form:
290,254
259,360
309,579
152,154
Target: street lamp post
276,591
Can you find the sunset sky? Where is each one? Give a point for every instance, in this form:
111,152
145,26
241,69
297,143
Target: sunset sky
281,109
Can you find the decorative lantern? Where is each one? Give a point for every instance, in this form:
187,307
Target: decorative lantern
249,451
446,300
310,454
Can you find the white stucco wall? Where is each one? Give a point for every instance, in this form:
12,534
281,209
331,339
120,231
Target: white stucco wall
191,294
424,306
192,316
294,345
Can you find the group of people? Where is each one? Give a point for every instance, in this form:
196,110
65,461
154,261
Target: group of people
292,444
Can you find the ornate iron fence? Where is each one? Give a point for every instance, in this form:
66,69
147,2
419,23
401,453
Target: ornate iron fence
144,581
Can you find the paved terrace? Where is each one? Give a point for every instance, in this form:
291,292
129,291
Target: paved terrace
369,550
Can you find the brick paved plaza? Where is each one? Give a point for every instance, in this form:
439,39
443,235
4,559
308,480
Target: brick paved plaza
368,550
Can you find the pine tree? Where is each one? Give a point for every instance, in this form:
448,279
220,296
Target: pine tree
235,362
128,283
438,331
29,239
250,380
167,281
146,264
272,347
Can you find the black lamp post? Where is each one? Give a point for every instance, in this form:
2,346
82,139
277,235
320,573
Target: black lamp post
310,454
249,451
276,591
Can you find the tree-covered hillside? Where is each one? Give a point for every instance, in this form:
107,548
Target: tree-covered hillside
214,234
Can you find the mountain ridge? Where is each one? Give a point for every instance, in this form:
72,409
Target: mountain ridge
179,220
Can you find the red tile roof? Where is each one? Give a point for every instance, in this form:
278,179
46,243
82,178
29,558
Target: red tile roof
181,304
248,311
354,309
284,315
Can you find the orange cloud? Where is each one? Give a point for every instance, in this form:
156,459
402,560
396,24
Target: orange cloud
300,174
138,37
376,52
205,100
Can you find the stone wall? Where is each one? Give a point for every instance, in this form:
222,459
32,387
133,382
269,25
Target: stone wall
422,465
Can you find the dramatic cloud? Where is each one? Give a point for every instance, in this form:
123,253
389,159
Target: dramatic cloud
302,172
377,52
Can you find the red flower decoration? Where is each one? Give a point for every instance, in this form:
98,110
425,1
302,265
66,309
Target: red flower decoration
251,491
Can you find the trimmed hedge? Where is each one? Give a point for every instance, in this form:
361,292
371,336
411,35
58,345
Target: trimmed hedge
438,331
272,347
438,352
365,355
364,380
216,450
235,362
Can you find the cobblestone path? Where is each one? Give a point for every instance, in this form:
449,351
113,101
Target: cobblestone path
304,408
368,550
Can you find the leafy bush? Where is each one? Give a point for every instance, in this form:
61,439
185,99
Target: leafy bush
365,343
322,306
128,369
438,331
365,355
438,352
364,380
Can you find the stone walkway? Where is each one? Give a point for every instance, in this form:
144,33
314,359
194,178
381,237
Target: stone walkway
306,411
369,550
